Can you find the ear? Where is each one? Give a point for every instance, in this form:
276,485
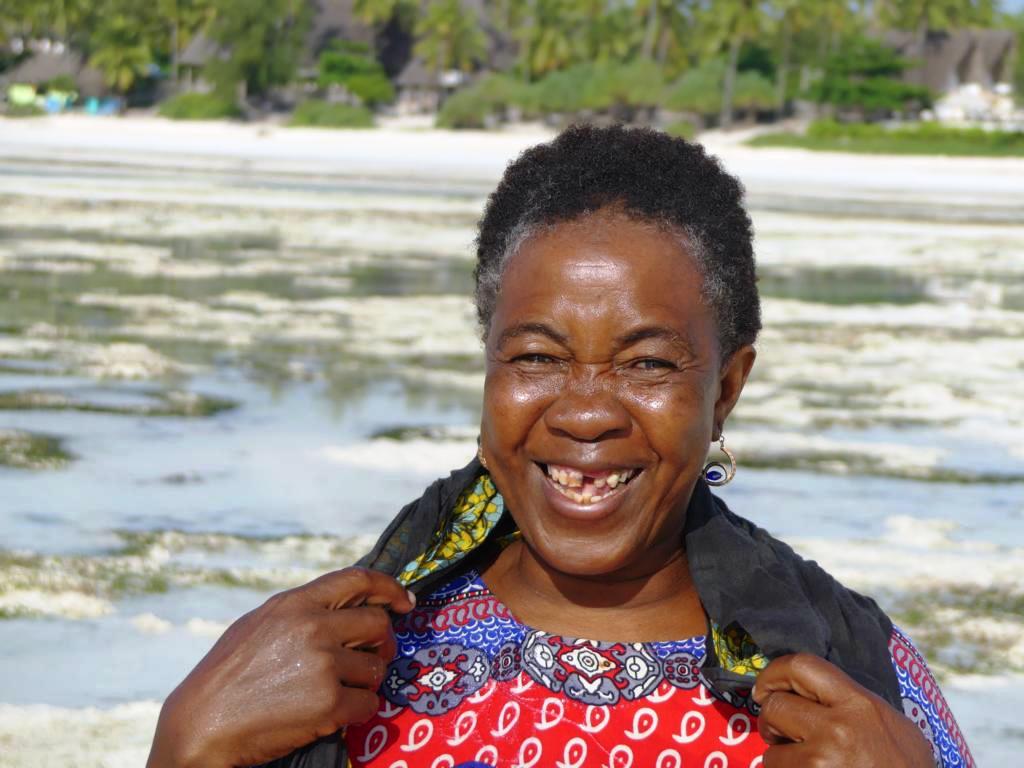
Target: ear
730,384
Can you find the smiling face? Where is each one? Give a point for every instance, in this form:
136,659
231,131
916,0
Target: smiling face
604,388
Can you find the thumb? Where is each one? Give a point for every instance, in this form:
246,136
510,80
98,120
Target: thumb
808,676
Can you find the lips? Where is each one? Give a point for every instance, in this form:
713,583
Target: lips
588,486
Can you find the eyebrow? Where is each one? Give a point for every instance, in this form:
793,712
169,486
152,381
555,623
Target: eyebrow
657,332
525,329
622,342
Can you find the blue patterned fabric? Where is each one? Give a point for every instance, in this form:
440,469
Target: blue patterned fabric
495,631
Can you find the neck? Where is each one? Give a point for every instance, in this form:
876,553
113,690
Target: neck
653,601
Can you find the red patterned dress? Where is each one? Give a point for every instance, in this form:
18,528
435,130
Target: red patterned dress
471,687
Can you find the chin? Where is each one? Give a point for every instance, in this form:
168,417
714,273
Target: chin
579,558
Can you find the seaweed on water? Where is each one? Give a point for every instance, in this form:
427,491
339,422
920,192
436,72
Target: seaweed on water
32,450
169,403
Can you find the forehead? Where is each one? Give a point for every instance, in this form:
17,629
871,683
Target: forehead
604,266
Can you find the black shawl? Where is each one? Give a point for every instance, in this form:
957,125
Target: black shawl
743,575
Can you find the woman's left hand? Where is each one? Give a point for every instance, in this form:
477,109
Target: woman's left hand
813,714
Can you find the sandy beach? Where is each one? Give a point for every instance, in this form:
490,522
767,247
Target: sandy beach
472,161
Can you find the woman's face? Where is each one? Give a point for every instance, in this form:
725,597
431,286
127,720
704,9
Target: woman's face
604,388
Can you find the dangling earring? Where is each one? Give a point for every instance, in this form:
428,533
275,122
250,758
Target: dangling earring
480,457
715,472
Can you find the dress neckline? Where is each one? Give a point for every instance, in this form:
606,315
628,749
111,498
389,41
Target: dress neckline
475,581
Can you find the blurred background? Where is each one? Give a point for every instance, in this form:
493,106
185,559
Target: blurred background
236,334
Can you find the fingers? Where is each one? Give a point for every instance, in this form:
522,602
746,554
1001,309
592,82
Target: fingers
787,756
787,717
366,627
354,705
808,676
359,669
358,586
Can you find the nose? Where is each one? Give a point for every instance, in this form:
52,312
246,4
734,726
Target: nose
587,410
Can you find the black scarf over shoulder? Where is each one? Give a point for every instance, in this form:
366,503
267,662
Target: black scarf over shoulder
743,575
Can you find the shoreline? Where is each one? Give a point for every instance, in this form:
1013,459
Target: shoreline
469,163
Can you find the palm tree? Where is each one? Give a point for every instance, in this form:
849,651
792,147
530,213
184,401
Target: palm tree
731,23
378,11
934,14
185,18
450,37
608,30
795,16
549,40
120,53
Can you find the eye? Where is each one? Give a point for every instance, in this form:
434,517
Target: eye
653,364
533,358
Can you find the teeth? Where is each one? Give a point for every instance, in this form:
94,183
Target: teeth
568,479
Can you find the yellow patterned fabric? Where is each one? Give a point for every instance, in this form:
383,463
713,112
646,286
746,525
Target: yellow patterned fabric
473,517
736,650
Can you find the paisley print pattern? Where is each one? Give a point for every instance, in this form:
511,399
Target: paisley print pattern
471,687
924,703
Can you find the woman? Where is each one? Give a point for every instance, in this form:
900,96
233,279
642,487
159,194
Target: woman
617,297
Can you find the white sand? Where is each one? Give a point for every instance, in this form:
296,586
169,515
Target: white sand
456,159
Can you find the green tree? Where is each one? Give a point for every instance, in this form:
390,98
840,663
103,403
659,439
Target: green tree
729,24
183,19
923,15
1016,23
353,66
122,45
449,36
264,41
548,40
609,31
795,16
380,12
864,76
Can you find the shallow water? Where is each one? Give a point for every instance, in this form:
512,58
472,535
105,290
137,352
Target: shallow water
211,392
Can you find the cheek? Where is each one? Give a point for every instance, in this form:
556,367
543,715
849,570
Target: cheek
513,403
675,419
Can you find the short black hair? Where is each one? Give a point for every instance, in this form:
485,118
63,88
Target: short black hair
650,176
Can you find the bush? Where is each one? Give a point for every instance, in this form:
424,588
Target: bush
562,91
353,66
681,129
24,110
315,113
59,83
600,87
198,106
698,90
920,139
484,102
754,91
371,89
864,75
469,108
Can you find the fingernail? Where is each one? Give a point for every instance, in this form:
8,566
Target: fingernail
412,597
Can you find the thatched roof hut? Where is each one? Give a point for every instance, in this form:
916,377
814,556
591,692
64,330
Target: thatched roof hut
947,60
44,66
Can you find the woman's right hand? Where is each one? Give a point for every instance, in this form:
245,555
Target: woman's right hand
301,666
